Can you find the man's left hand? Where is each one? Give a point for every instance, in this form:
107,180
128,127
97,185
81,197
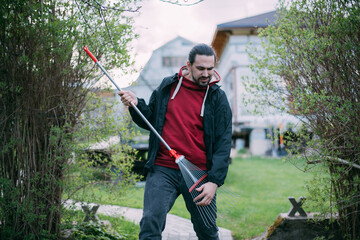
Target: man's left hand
207,194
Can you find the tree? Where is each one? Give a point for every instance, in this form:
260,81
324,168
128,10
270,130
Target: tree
310,68
45,77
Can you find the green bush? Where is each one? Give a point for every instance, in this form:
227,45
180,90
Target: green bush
93,230
308,66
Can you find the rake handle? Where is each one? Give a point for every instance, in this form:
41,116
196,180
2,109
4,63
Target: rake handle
90,54
132,104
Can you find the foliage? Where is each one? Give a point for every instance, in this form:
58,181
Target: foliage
309,67
92,230
44,79
124,227
117,229
99,162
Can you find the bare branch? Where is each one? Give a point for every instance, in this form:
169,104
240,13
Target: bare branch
345,162
177,2
102,7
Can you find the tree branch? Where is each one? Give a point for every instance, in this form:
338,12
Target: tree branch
181,4
102,7
345,162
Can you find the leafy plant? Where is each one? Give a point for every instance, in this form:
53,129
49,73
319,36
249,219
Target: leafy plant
72,227
108,166
308,66
44,80
92,230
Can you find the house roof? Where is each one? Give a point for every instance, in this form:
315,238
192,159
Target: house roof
146,78
176,39
244,26
258,21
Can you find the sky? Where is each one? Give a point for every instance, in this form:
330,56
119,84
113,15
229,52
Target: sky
158,22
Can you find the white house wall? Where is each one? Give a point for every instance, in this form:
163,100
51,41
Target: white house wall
235,64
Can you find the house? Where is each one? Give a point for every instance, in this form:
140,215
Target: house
164,61
230,43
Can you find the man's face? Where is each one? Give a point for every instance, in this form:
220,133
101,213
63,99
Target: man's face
202,69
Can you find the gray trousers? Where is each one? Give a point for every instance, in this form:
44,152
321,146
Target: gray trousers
162,188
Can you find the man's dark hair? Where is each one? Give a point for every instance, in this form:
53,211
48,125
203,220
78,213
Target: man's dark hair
201,49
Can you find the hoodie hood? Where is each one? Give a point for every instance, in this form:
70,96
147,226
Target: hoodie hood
184,71
215,78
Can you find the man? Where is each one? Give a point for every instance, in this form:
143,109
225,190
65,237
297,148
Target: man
193,115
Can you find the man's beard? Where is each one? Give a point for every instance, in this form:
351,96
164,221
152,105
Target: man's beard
201,83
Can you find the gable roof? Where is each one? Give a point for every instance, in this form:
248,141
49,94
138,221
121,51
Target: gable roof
258,21
174,40
244,26
179,44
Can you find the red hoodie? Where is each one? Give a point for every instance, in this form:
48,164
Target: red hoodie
183,127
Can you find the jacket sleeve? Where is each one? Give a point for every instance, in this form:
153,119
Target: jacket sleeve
146,110
222,142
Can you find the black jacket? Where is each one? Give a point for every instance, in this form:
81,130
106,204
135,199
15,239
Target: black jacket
217,122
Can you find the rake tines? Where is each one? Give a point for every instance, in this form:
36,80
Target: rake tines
195,177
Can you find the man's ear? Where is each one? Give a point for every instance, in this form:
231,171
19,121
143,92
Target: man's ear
188,65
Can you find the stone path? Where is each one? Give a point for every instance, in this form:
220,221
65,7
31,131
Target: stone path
177,228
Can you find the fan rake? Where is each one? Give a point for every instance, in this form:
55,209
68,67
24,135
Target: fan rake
195,177
223,201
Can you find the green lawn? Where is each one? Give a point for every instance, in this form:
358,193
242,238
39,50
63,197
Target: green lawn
262,184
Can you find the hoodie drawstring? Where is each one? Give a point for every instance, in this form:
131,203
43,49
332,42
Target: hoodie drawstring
203,104
177,88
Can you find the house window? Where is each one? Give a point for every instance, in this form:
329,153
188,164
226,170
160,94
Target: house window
173,61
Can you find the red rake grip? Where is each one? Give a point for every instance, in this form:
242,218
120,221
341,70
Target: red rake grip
90,54
197,183
174,154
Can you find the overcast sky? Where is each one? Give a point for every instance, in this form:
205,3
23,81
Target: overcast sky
159,22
